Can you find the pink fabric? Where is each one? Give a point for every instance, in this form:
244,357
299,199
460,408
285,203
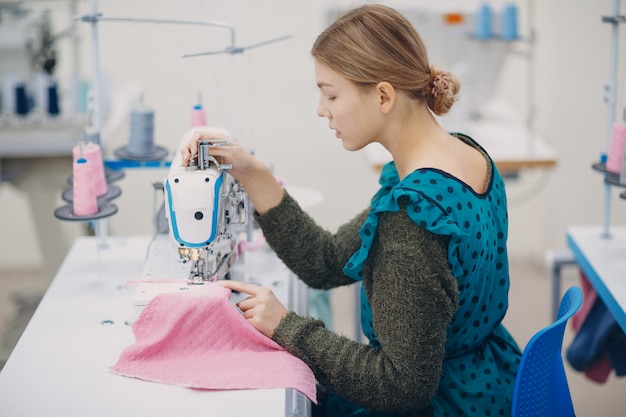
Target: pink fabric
245,246
198,339
600,370
589,298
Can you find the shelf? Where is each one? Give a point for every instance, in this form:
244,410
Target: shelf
614,19
53,137
610,177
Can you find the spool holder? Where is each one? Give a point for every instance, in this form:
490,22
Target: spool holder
67,213
232,49
156,154
92,19
113,191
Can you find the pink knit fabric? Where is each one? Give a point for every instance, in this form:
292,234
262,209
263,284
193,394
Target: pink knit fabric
198,339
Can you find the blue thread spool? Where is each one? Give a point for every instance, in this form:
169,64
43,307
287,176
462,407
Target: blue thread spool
21,100
509,23
484,22
53,100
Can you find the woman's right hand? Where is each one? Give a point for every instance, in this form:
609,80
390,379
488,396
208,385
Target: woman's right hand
227,153
256,177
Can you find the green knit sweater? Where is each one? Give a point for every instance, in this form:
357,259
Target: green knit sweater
413,297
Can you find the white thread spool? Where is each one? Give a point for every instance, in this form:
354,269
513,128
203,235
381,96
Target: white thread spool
9,82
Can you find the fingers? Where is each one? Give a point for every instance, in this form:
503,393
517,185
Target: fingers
191,148
261,309
243,287
246,304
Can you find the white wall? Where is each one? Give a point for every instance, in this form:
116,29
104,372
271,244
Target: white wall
573,66
267,98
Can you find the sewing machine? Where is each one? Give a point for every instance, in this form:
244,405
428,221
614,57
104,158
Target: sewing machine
210,235
204,205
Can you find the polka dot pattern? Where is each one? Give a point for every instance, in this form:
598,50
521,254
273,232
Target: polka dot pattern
482,358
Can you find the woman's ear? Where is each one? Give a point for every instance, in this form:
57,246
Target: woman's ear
386,95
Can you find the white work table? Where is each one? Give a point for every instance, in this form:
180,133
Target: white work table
603,261
60,365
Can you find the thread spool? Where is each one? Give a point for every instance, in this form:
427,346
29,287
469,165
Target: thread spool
88,180
198,117
85,202
509,23
92,153
484,22
22,105
40,84
8,94
615,155
141,140
92,136
53,100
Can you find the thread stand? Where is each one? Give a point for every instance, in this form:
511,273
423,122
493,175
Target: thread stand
113,191
610,98
66,213
141,145
156,154
110,176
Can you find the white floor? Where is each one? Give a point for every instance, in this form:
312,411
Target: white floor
529,312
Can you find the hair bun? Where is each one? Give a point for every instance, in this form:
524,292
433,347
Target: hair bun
440,84
442,92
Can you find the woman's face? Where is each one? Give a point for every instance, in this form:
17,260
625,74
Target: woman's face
353,113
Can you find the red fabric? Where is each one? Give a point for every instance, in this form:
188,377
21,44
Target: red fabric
601,370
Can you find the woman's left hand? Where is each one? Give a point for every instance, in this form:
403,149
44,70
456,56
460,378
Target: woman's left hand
262,309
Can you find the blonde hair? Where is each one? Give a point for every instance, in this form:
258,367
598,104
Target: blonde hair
375,43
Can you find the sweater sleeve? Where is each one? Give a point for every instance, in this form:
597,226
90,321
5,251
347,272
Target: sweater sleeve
413,297
315,255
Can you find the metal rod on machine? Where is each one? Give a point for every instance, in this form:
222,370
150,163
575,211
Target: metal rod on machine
609,97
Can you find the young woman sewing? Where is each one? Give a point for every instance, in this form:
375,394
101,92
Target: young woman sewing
430,249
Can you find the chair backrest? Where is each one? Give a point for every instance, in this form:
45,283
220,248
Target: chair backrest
541,387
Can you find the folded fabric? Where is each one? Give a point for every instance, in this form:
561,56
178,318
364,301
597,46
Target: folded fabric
599,345
198,339
589,298
601,369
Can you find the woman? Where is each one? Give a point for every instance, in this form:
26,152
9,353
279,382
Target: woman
430,250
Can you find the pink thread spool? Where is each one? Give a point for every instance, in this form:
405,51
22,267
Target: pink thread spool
91,152
616,148
198,118
85,202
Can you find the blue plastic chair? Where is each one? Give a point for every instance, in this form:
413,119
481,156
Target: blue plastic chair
541,388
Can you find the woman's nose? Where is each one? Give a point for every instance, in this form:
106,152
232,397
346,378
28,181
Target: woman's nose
322,111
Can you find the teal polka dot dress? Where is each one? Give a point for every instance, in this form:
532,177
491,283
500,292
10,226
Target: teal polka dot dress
481,357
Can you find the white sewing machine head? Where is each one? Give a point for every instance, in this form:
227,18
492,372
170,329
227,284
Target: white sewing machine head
207,214
204,205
